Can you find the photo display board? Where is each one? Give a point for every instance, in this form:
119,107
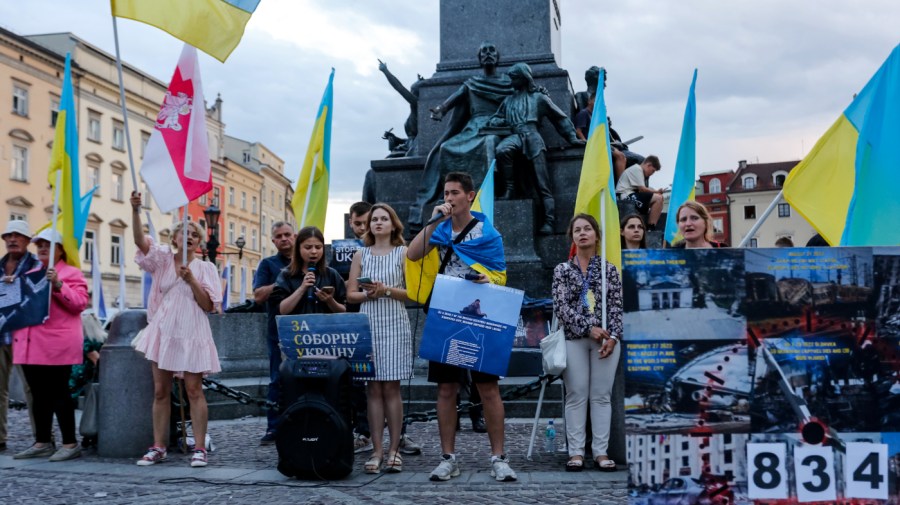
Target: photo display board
762,376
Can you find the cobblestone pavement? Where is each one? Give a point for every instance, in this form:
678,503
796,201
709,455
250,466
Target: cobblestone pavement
241,471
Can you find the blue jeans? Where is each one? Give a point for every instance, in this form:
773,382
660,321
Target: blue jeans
274,394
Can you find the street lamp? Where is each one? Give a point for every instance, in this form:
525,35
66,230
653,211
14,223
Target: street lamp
240,243
212,220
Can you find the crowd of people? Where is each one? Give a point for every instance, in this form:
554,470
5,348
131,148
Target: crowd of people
297,280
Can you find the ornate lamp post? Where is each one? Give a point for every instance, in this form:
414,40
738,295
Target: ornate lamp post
240,243
212,220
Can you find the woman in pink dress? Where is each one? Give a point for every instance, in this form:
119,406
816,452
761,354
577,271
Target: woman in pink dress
177,338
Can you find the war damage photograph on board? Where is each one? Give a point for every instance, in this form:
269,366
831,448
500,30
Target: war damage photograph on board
683,386
683,294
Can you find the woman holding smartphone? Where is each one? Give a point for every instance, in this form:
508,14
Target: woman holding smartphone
378,284
308,285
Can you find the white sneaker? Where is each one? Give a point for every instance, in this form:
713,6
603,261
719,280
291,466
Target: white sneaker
407,446
500,469
154,455
361,444
447,468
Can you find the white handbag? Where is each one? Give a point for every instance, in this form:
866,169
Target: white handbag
553,349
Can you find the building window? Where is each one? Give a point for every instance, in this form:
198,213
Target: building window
231,278
118,138
749,182
203,199
118,188
230,233
115,249
246,156
231,196
273,196
729,456
15,216
145,138
718,225
54,110
243,200
749,211
20,100
784,210
715,186
19,164
684,461
216,194
243,231
253,243
778,179
93,126
754,242
88,244
263,227
253,204
94,179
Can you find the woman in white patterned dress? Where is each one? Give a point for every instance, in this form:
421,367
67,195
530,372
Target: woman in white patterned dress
177,338
377,283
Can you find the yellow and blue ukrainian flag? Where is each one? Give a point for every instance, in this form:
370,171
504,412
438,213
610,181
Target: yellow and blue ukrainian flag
596,187
64,162
846,186
484,254
310,201
685,164
213,26
484,200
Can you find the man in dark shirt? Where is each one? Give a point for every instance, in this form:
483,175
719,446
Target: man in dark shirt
263,283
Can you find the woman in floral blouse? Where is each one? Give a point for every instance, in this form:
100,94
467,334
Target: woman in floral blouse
592,352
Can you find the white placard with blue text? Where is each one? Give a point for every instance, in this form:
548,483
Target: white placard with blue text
471,325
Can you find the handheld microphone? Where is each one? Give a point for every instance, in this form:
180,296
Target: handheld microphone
435,219
311,292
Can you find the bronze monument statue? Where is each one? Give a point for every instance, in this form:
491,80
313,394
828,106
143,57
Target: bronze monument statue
398,146
522,112
462,147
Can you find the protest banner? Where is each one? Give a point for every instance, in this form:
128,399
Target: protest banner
471,325
342,252
338,335
764,376
25,301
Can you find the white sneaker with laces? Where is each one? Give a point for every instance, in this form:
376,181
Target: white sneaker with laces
446,469
500,469
154,455
408,447
362,443
199,458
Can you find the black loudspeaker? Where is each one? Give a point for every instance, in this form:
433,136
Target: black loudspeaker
314,438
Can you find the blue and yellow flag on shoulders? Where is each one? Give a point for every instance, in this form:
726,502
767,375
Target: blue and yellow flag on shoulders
484,254
484,200
310,201
596,187
64,168
212,26
846,186
685,164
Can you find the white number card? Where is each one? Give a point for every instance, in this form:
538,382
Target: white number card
865,471
768,472
814,468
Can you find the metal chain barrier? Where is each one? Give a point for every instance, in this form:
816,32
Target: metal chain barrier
414,417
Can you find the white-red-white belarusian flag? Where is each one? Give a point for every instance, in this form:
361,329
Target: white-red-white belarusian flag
176,160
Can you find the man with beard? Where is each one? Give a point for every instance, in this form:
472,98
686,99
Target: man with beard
463,148
263,284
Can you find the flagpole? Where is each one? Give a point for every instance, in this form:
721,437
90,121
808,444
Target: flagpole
128,149
309,186
603,255
53,224
761,220
184,246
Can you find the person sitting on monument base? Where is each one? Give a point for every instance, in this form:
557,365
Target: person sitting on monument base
522,112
